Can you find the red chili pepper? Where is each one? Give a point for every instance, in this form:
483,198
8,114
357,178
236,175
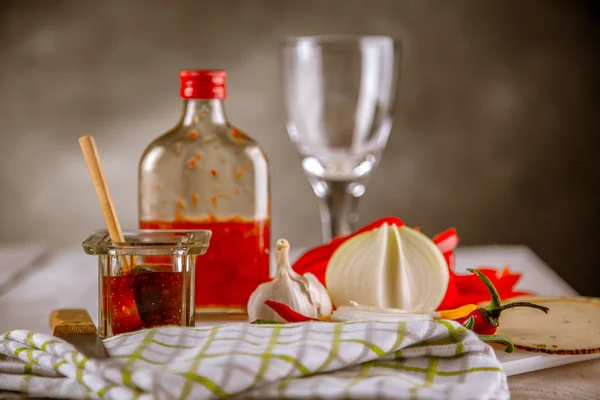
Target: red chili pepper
287,313
485,320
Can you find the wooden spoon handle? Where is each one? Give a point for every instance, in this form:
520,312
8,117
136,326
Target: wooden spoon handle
71,321
92,158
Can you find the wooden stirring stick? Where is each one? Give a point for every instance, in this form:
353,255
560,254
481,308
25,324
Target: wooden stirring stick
92,158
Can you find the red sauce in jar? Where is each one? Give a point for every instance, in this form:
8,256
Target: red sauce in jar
237,261
142,299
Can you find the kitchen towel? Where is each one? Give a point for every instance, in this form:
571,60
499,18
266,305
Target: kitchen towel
412,360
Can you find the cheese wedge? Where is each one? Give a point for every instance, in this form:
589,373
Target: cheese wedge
571,327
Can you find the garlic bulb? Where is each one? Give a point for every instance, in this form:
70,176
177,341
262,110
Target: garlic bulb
388,267
303,293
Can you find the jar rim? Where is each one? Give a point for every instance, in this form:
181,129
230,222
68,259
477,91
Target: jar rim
149,242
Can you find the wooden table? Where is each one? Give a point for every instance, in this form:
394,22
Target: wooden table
579,381
34,281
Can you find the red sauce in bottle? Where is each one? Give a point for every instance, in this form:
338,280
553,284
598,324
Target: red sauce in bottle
237,261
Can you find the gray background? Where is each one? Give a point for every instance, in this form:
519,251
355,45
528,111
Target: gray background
496,130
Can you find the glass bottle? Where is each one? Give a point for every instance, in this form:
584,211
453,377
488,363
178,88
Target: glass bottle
207,174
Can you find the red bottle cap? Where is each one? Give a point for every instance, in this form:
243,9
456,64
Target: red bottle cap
203,84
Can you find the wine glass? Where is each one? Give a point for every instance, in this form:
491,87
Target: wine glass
339,94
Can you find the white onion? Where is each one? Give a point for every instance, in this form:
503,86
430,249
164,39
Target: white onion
388,267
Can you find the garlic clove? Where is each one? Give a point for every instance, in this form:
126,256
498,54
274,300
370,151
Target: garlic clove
256,308
319,295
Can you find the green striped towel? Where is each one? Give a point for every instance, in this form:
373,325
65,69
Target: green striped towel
416,360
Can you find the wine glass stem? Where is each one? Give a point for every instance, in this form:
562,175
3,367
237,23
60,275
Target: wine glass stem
339,210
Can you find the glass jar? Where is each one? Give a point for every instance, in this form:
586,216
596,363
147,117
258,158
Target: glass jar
146,281
207,174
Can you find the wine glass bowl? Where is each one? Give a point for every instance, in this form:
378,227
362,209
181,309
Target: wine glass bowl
339,94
